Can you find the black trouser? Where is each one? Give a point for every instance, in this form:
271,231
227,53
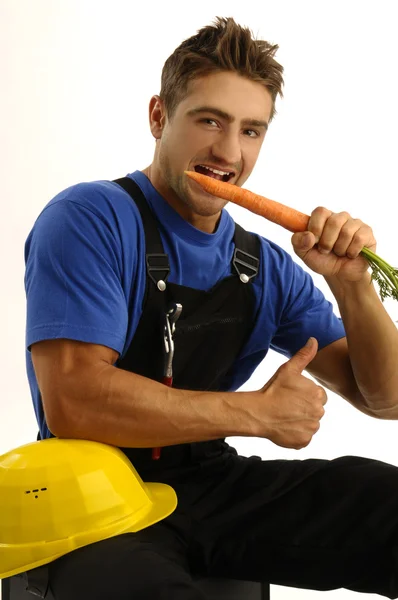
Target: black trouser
313,524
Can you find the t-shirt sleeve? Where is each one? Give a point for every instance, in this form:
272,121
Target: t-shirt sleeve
306,313
73,278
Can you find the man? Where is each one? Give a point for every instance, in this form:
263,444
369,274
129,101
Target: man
109,264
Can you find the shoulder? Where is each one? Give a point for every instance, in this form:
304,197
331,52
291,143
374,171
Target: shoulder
287,288
276,255
96,207
277,266
105,199
282,267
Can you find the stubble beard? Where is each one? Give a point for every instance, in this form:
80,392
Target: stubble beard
180,186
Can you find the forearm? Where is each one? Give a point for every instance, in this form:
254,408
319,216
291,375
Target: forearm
120,408
372,339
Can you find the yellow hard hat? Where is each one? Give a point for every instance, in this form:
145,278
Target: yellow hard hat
57,495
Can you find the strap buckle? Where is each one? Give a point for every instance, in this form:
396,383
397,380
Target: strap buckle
158,269
246,270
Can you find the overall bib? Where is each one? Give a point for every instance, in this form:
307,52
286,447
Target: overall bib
209,335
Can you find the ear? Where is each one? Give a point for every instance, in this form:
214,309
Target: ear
157,116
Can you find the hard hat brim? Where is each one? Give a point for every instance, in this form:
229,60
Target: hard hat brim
19,558
164,503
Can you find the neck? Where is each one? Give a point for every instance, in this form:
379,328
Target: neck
205,223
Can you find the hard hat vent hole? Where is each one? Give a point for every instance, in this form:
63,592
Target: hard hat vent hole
35,491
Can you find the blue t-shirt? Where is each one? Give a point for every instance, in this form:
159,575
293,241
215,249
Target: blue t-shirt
85,278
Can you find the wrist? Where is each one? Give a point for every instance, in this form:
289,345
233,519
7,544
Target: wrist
238,413
343,288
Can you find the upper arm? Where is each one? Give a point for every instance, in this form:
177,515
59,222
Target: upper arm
75,280
85,280
332,368
63,369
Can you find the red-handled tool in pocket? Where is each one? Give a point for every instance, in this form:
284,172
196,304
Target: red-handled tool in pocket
171,317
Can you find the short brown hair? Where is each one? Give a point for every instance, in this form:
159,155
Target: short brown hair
222,46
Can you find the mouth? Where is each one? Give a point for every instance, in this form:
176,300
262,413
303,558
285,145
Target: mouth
219,174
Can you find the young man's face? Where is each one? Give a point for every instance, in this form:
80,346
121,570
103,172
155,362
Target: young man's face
220,124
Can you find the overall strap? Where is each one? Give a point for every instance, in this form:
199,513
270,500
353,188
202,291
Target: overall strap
157,262
246,257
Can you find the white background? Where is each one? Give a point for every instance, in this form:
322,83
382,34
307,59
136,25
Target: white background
76,79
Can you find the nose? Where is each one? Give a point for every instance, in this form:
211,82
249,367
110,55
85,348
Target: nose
227,149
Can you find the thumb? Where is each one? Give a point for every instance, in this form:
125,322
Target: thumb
302,242
304,356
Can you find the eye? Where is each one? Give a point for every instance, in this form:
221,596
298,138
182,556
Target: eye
253,133
209,121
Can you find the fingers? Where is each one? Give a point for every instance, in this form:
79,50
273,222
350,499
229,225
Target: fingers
328,227
317,221
339,232
304,356
362,237
322,396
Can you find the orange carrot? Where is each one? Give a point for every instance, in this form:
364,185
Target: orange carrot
282,215
383,273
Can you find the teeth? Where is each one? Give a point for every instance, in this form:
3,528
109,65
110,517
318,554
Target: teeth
216,171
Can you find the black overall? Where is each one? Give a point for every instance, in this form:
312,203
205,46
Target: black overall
209,335
315,524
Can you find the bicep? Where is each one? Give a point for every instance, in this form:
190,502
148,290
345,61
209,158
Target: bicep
63,368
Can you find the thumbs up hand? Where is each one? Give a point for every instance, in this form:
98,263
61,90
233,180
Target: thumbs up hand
290,406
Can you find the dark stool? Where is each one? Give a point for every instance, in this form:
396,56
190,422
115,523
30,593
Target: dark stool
14,588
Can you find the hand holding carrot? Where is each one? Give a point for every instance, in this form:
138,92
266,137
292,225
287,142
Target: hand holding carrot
333,243
289,407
